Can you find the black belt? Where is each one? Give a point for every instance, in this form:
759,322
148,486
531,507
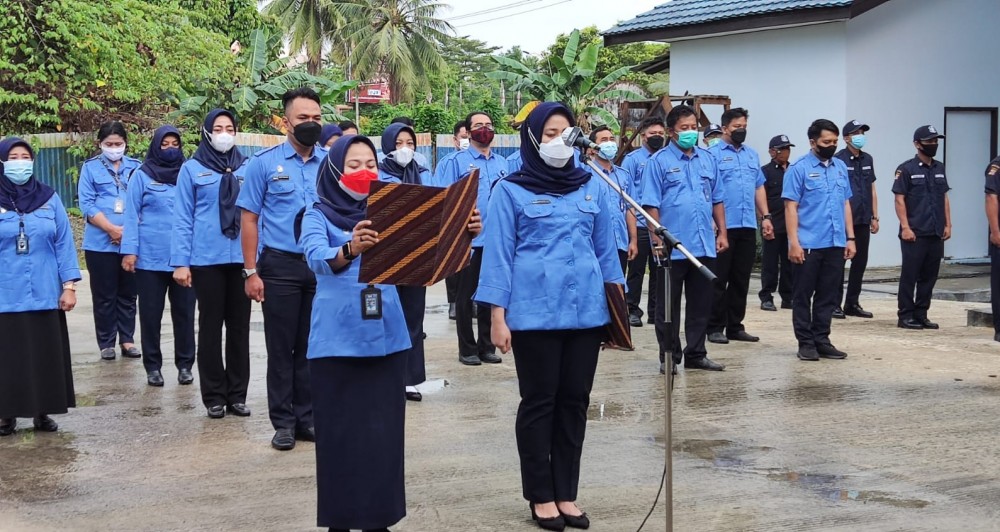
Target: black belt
296,256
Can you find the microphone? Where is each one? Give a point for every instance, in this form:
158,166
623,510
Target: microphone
573,136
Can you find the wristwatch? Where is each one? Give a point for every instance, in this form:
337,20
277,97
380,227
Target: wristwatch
69,286
346,249
249,272
766,216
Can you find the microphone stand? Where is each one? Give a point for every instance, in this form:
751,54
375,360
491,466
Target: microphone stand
672,243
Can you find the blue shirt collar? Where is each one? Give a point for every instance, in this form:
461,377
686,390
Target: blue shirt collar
679,154
287,151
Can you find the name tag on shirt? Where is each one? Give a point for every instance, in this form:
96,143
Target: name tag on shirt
866,167
541,202
674,170
917,176
280,178
204,174
938,175
813,175
727,159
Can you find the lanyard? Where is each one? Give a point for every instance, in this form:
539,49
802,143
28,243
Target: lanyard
114,175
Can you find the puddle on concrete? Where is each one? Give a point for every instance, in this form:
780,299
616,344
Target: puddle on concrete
85,400
34,465
822,393
827,487
148,411
615,411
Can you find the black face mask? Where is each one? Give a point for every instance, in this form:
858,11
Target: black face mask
655,142
929,150
307,133
826,152
738,136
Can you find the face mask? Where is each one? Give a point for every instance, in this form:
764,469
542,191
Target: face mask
929,150
858,141
222,142
19,171
358,184
655,142
825,152
482,135
555,152
171,155
608,150
738,136
713,141
113,154
687,139
403,156
307,133
463,144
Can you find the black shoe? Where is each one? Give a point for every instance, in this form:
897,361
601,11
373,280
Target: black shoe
45,424
634,320
184,376
416,397
108,354
308,434
470,360
996,337
650,320
742,336
703,363
911,324
8,426
217,412
828,351
490,358
928,324
283,440
239,409
576,521
718,338
556,523
838,314
857,312
808,353
451,312
132,352
663,368
154,378
768,305
786,304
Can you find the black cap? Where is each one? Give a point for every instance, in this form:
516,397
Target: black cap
712,129
780,141
926,133
851,127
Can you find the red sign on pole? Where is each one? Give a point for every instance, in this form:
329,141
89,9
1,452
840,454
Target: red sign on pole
372,93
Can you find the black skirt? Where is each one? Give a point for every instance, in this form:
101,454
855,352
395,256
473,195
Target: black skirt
359,410
35,368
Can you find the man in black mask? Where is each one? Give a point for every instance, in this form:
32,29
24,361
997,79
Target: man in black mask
921,190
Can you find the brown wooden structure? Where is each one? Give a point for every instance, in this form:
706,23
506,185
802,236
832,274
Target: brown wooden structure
631,114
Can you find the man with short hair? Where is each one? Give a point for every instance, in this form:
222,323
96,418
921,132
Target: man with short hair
349,128
820,238
775,271
652,131
623,216
864,207
924,213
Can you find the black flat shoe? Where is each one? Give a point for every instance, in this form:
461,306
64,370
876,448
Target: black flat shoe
154,378
556,523
828,351
857,312
912,324
470,360
283,440
634,320
928,324
184,377
838,314
786,304
8,426
809,354
451,312
132,352
108,354
414,396
742,336
490,358
703,363
308,434
45,424
217,412
768,306
718,338
239,409
577,521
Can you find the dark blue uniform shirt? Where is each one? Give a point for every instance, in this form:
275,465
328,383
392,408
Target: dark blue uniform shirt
861,173
924,188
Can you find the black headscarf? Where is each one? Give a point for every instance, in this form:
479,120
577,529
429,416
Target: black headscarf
21,198
410,173
226,164
341,209
328,132
535,175
154,166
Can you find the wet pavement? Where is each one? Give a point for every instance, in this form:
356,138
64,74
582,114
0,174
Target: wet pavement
900,436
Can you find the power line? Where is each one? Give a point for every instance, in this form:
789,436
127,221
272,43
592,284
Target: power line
494,9
512,14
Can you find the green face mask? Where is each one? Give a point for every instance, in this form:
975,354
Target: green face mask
713,141
687,139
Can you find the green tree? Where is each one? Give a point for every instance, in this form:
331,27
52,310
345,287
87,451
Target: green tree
611,58
308,24
235,19
464,77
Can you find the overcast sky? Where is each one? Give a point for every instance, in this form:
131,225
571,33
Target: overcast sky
534,24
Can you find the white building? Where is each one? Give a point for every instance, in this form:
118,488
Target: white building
893,64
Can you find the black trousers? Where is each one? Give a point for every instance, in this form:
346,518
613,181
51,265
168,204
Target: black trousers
468,345
555,373
815,288
451,286
775,269
114,293
698,295
636,272
414,302
733,268
623,259
917,277
289,287
863,238
995,286
153,287
222,301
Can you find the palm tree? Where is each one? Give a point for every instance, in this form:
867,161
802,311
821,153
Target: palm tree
399,40
307,24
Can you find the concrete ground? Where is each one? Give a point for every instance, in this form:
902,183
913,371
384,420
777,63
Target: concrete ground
900,436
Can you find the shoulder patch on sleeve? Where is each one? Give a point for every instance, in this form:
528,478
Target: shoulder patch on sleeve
993,170
899,172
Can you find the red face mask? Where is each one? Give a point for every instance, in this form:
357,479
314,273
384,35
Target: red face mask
482,135
358,184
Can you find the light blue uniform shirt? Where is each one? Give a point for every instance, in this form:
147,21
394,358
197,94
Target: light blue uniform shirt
514,162
491,170
426,178
684,189
34,281
337,328
278,185
100,189
546,258
443,163
740,172
197,238
634,163
616,204
820,190
149,221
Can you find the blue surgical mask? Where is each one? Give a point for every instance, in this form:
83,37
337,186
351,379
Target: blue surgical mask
18,171
687,139
609,150
858,141
713,141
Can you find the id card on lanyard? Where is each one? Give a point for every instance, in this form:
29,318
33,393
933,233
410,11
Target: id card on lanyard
119,185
